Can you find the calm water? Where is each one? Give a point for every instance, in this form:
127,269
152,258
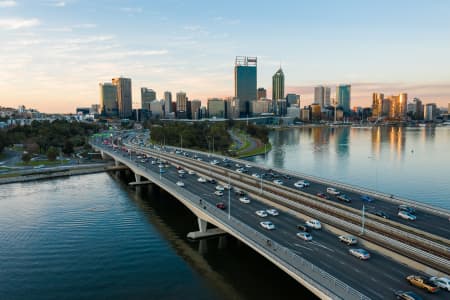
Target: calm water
408,162
93,237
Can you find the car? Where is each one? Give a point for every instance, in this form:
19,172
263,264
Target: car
322,195
180,183
190,172
221,205
348,239
287,176
153,162
261,213
407,295
423,283
244,199
303,227
214,162
267,225
201,179
304,236
272,212
407,208
240,170
181,175
199,159
380,214
442,282
227,186
359,253
248,166
332,191
366,198
277,181
344,197
239,192
219,187
181,171
256,175
161,170
161,166
218,193
212,180
299,185
406,215
314,224
304,182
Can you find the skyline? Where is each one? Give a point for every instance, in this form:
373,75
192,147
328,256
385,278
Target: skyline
53,63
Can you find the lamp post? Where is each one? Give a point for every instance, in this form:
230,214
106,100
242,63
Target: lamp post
362,220
229,197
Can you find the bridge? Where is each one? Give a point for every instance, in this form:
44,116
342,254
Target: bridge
398,248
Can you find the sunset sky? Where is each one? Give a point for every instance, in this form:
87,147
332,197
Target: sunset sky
53,54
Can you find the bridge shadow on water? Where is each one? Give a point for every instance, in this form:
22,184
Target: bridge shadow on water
229,268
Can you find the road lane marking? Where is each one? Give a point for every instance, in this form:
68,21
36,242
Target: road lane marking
323,246
302,246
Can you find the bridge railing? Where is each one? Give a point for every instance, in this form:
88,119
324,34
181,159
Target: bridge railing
331,285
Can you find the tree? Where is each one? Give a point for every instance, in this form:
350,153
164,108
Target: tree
26,157
68,147
52,153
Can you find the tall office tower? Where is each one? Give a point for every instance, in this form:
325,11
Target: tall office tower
167,102
343,97
245,77
377,104
403,105
293,99
326,96
430,112
147,96
181,105
262,93
195,108
216,108
278,85
398,107
124,100
108,99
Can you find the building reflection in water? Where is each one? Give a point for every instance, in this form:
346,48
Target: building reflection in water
393,138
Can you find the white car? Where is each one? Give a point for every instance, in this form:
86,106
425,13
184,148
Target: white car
219,188
299,185
214,162
313,224
360,253
237,165
244,199
199,159
190,172
180,183
181,171
304,236
218,193
332,191
278,181
272,212
239,170
267,225
348,239
227,186
248,166
304,182
406,215
442,282
256,175
261,213
201,179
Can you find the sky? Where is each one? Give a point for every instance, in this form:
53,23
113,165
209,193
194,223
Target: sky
54,53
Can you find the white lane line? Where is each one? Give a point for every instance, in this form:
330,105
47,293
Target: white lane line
302,246
379,296
323,246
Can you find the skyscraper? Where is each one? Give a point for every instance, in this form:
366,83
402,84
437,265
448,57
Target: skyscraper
245,80
398,107
262,93
147,96
167,102
278,85
322,96
377,104
343,97
124,100
195,108
108,99
181,105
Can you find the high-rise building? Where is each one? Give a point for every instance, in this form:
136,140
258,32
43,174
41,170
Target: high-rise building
147,96
430,113
262,93
326,96
292,99
418,109
167,102
322,96
377,104
398,107
278,85
195,108
245,79
181,105
124,99
343,97
216,108
108,99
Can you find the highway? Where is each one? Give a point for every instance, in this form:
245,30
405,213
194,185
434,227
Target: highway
377,278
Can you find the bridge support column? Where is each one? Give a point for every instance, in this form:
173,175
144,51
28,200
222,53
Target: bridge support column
203,231
116,162
137,177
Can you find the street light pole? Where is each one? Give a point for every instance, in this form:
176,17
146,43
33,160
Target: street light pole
362,220
229,197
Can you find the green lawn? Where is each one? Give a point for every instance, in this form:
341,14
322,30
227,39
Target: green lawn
256,151
42,162
9,175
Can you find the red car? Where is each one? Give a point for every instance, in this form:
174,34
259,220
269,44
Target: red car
221,205
323,195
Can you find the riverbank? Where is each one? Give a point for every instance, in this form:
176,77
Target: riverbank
56,172
246,146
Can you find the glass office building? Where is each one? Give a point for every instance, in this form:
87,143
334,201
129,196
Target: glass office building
245,83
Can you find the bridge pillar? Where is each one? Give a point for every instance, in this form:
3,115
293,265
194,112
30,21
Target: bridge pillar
137,177
116,162
202,225
203,232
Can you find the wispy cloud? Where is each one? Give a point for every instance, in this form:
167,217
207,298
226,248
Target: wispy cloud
18,23
9,3
57,3
132,10
226,21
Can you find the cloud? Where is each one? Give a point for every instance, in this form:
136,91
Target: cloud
132,10
8,3
18,23
226,21
85,26
58,3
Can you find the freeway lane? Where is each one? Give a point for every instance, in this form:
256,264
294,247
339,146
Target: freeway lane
377,277
426,221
